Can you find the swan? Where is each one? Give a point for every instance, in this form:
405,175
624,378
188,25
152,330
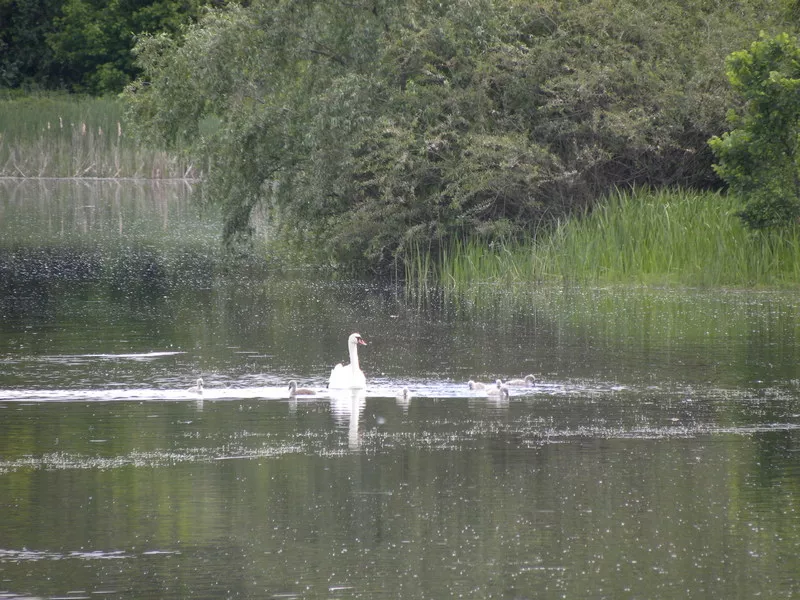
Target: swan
296,391
500,390
198,388
527,381
477,385
350,376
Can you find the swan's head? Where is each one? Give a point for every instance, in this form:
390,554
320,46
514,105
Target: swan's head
530,379
499,384
200,383
355,339
472,385
292,385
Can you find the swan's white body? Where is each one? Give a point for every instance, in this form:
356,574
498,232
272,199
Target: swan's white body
349,377
197,389
528,381
296,391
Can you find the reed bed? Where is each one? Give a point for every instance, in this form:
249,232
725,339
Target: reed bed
645,237
77,137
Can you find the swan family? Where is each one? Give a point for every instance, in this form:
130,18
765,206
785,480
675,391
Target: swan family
527,381
499,389
351,377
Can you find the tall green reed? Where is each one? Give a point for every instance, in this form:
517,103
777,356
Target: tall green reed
672,237
644,237
55,135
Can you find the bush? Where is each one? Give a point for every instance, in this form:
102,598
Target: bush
760,157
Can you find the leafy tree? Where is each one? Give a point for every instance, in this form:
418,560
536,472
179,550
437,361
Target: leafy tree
82,45
760,157
92,39
369,126
25,58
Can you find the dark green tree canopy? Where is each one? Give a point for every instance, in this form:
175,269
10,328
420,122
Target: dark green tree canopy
371,126
760,157
82,45
25,57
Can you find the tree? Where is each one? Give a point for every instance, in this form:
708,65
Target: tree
760,157
91,40
367,127
82,45
25,58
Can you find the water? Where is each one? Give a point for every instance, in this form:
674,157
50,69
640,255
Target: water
657,455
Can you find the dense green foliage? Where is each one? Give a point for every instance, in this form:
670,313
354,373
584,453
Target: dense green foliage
371,127
760,157
647,237
81,45
25,57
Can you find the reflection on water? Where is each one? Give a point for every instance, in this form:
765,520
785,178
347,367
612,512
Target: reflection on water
346,408
655,456
452,495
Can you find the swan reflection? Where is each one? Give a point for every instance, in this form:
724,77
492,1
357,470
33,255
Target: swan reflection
403,399
346,407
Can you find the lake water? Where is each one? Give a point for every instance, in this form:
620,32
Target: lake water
656,456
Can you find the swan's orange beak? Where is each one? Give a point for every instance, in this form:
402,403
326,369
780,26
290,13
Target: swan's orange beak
362,342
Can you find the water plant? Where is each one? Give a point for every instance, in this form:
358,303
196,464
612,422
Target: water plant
53,135
652,237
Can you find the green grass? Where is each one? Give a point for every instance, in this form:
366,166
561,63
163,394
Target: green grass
55,135
668,237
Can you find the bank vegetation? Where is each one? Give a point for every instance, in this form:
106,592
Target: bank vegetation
370,130
640,237
381,135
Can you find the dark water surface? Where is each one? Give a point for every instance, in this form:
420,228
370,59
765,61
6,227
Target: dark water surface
657,456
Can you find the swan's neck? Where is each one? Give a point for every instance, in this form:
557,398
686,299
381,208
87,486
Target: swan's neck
354,357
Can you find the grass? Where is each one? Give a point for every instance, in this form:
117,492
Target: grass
55,135
665,238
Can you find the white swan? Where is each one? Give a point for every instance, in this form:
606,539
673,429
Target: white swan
198,388
528,381
349,377
296,391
